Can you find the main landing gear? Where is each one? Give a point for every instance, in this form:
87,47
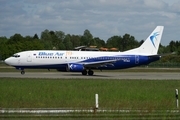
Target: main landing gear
90,72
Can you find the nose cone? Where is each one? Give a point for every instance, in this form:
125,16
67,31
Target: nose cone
8,61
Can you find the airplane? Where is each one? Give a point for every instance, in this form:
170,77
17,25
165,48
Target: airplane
86,61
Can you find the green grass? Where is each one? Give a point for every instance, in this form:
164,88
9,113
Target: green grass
80,93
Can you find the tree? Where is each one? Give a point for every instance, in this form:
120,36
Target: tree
172,46
76,40
32,44
35,36
113,42
125,41
54,39
99,42
141,42
129,42
15,39
86,38
178,50
46,40
60,36
62,46
67,43
16,42
133,43
4,52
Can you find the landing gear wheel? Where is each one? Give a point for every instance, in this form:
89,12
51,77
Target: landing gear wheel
84,72
22,72
90,72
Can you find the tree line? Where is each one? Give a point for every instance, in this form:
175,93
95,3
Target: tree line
58,40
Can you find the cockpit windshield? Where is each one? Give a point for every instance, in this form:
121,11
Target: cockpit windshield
16,55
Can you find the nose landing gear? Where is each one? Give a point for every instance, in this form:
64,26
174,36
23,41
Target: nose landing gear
22,72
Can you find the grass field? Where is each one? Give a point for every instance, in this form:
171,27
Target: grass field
80,93
156,96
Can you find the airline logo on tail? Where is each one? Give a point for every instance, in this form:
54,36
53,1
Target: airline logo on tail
153,37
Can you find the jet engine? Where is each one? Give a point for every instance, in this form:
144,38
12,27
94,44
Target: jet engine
74,67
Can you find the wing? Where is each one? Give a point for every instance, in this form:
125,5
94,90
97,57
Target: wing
99,63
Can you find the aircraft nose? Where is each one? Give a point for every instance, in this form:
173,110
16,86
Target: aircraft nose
7,61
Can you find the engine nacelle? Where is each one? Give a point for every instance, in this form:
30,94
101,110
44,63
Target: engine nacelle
74,67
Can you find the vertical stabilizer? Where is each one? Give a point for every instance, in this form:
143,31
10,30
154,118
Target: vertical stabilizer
151,44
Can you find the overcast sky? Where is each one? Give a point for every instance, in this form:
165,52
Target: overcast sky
103,18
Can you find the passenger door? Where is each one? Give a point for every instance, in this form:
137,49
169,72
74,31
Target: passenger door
29,57
136,59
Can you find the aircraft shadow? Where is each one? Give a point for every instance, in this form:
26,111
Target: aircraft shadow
88,76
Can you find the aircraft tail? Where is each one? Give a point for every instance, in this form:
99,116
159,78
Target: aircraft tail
151,44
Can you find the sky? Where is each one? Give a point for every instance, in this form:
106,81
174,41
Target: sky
103,18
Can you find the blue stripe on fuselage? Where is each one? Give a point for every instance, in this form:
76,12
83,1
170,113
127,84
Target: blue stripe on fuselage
125,61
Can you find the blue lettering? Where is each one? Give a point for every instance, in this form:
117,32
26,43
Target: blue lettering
50,54
59,54
45,54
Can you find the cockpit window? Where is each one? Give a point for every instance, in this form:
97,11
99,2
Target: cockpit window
16,55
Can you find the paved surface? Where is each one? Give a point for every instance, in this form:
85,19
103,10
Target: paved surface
97,75
21,114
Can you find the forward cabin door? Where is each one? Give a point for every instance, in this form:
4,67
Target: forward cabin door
29,57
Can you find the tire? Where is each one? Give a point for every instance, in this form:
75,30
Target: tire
22,72
90,72
84,72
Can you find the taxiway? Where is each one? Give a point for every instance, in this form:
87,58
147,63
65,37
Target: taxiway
98,75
